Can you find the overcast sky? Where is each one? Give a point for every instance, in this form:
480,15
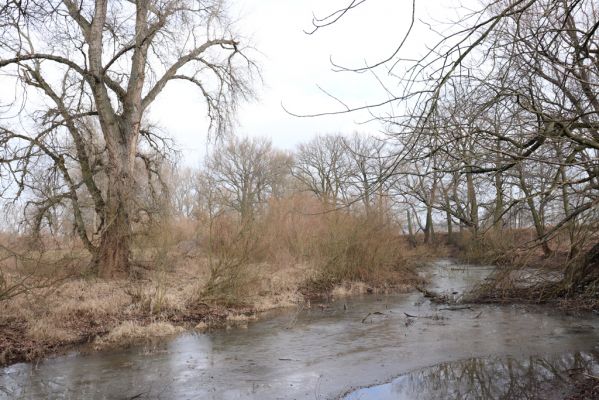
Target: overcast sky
294,64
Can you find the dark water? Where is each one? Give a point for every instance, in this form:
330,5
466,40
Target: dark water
324,353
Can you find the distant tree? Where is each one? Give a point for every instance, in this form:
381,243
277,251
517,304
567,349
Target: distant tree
246,173
321,166
368,166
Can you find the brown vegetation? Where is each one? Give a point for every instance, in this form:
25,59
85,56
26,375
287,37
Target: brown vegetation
189,274
511,172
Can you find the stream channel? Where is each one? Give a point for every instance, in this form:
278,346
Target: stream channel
352,348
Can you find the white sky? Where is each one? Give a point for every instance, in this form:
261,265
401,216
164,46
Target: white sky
293,64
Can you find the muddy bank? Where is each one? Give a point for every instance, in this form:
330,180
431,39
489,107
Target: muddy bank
55,320
16,345
319,352
74,319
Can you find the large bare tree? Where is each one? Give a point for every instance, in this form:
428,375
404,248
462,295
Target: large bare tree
76,65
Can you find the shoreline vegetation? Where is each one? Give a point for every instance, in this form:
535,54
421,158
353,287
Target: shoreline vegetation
188,279
60,309
104,315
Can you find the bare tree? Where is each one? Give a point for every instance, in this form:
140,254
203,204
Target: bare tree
368,163
321,166
185,192
103,63
246,173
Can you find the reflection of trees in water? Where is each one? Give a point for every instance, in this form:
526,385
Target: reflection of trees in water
494,378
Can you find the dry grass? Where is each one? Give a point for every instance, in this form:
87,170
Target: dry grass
44,330
350,289
194,277
156,303
130,331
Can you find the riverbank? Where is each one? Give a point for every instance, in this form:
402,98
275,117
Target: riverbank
107,314
114,314
322,350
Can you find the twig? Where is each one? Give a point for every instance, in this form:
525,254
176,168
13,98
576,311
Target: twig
367,315
456,308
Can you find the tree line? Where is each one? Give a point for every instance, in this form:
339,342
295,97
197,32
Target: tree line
494,128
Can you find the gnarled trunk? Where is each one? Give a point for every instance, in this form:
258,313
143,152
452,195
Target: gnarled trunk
112,257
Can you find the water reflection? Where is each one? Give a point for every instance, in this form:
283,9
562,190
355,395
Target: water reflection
487,378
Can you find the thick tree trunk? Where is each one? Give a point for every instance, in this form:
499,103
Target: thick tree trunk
112,259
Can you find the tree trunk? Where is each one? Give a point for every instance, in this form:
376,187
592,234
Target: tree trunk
411,237
571,224
497,218
473,203
449,226
112,259
429,232
536,217
498,212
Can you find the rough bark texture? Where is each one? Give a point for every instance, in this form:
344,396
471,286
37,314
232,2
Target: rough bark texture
112,259
586,272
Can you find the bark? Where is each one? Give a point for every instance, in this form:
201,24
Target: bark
473,203
411,237
429,230
449,226
536,216
112,258
571,226
586,271
497,219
